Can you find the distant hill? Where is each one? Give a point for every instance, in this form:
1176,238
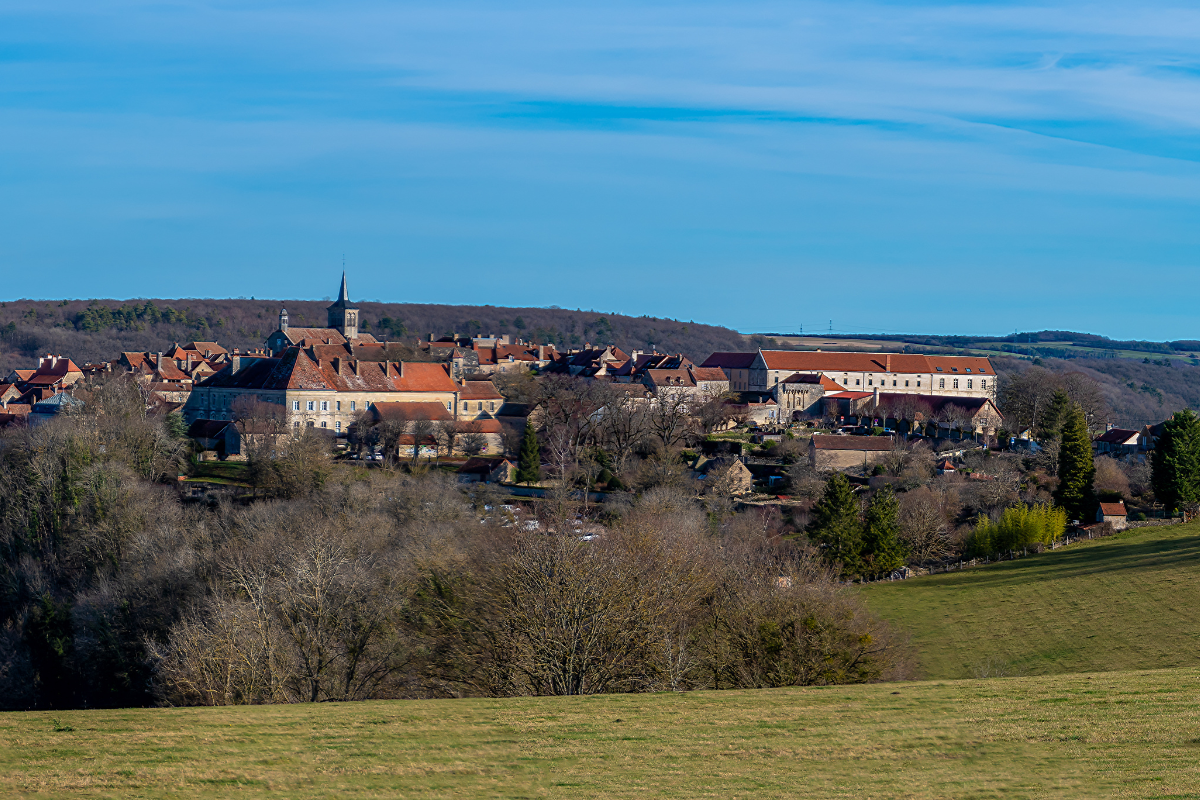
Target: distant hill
92,330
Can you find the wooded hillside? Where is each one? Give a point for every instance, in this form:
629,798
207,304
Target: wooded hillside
92,330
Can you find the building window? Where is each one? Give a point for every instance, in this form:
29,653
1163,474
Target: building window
465,405
893,383
323,425
311,424
312,406
983,384
969,382
870,383
492,406
480,406
857,381
941,383
353,405
324,405
956,383
918,383
295,405
339,405
906,383
296,424
337,426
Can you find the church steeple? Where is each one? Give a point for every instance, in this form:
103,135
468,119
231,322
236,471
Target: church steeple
343,316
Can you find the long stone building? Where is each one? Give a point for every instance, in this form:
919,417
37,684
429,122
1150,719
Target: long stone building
327,377
898,373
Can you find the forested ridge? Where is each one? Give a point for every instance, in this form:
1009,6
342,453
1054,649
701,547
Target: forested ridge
94,330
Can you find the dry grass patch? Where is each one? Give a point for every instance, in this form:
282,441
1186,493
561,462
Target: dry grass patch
1111,734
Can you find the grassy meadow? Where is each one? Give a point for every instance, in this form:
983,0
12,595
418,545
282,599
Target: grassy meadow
1083,736
1129,602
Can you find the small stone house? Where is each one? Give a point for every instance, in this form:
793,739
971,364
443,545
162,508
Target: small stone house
1114,514
847,452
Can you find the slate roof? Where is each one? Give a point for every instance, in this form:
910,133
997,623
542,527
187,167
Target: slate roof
407,412
863,443
730,360
1119,436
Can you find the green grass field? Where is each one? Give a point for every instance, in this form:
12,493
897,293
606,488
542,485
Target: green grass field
1083,736
1129,602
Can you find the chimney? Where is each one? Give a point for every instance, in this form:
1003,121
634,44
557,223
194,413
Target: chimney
387,369
431,337
399,369
888,365
354,366
541,352
158,363
235,364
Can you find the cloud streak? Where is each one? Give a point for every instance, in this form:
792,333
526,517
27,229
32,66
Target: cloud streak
867,154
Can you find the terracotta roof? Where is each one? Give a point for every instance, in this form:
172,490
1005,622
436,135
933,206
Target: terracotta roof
484,426
24,374
849,395
709,374
865,443
17,409
730,360
820,361
479,390
1113,509
205,347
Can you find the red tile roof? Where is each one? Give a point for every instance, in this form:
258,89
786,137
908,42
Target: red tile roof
1113,509
479,390
821,361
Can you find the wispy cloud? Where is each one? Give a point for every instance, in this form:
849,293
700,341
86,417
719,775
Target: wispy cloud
666,145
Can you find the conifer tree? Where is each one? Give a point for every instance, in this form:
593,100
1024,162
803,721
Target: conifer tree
529,464
1175,462
883,552
1055,417
1076,469
836,527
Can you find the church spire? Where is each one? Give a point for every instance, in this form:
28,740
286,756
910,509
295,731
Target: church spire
342,298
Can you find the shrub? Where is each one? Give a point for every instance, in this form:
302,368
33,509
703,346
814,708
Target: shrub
1018,527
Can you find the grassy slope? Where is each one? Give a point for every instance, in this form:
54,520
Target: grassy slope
1124,603
1011,738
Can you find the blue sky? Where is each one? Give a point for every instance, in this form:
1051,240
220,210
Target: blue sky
892,167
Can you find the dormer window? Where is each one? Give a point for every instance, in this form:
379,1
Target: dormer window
939,369
968,369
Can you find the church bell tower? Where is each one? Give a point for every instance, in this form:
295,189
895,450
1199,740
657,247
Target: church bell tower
343,316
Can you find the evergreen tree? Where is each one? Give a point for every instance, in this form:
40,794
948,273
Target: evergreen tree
835,525
1055,417
883,552
1076,469
529,465
1175,462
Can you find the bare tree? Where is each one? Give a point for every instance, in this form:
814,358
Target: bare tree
669,416
623,425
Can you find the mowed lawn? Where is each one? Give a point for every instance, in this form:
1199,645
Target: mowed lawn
1082,736
1129,602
